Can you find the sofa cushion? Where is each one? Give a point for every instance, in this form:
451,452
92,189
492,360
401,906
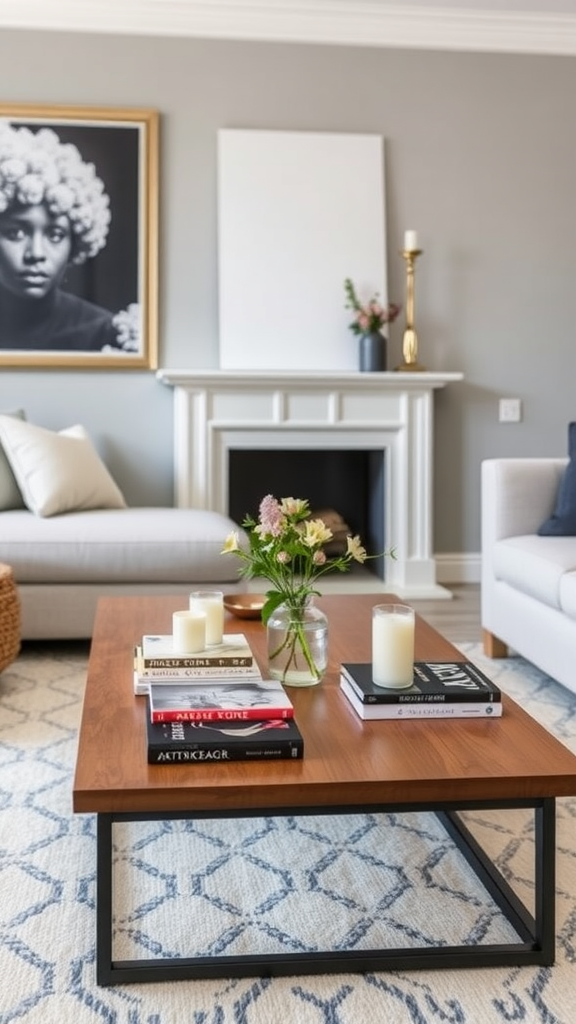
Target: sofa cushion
130,545
568,594
57,472
562,522
535,565
10,493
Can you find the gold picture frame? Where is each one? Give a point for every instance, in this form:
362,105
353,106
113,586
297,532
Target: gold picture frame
78,237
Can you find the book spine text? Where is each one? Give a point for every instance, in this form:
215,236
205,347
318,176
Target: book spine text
221,715
276,752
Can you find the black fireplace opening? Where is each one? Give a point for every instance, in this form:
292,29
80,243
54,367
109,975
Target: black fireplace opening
350,481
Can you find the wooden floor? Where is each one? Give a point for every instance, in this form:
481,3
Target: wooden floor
457,619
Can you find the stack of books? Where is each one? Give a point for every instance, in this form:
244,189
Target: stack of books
155,661
213,705
456,689
219,721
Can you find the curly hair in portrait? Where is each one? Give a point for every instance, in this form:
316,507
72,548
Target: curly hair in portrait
54,211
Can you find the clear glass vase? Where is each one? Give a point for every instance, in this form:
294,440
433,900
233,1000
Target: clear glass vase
297,644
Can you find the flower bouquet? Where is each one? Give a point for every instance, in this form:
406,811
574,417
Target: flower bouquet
369,317
286,548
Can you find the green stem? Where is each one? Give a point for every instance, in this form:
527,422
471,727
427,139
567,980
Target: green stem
295,633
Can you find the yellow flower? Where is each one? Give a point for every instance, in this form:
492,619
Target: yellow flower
316,533
231,543
355,549
292,506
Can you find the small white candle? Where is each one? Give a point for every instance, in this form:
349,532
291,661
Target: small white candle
211,604
411,240
188,632
393,646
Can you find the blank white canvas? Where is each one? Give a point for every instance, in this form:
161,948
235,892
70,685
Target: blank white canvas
298,212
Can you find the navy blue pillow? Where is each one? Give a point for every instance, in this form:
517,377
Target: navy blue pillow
562,522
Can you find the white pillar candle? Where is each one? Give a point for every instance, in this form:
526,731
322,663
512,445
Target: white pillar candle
211,603
411,240
393,645
188,632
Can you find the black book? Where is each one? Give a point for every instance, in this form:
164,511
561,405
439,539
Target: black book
434,682
214,742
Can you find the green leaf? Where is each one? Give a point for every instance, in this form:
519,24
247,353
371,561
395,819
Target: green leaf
274,599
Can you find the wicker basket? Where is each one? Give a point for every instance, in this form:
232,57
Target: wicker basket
9,617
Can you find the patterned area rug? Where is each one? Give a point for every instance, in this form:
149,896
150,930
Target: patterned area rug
265,884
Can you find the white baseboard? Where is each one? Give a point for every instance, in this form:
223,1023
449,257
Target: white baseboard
458,568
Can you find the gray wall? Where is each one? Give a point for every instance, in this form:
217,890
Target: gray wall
480,158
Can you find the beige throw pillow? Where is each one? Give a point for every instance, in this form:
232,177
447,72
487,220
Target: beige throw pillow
10,496
57,472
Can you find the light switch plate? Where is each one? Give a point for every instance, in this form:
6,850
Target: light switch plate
510,410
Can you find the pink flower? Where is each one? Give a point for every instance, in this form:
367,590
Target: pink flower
271,518
371,315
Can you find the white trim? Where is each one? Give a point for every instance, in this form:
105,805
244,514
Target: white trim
459,567
338,22
217,412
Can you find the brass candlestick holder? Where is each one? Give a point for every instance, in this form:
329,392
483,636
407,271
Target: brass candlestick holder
410,338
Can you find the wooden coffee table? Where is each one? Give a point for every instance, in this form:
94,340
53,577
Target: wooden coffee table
349,767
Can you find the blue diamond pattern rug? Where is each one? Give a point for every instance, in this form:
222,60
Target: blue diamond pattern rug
251,885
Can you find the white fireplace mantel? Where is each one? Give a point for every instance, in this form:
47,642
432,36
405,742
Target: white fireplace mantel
216,412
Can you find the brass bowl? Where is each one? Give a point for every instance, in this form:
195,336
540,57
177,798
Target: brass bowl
245,606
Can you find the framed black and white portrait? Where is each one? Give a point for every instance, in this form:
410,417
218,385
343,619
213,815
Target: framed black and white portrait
78,237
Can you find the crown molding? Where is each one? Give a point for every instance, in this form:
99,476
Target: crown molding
337,22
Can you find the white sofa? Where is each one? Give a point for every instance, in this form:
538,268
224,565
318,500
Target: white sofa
69,536
63,563
528,588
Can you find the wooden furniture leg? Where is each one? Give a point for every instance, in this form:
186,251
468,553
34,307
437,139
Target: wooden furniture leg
493,647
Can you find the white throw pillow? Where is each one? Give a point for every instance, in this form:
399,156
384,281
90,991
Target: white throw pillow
10,496
57,472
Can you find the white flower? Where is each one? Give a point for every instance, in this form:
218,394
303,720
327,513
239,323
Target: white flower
128,324
30,190
13,169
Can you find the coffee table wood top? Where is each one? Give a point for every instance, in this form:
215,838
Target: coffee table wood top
347,762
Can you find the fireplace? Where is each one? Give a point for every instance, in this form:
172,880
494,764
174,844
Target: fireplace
380,421
350,481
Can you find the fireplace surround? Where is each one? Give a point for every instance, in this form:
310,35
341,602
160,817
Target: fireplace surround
220,412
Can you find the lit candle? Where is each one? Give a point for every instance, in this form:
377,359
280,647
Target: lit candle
188,632
411,240
211,604
393,645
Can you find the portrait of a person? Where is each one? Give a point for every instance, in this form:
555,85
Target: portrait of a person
54,215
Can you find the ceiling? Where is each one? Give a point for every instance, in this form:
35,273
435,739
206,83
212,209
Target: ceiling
513,26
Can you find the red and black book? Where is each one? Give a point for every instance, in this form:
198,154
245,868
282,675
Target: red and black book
218,701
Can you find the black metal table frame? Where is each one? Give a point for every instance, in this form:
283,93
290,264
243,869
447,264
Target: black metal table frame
536,932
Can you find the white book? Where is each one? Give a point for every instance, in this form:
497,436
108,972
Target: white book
463,709
157,651
143,677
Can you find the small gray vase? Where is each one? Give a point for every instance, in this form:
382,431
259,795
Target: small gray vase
372,352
